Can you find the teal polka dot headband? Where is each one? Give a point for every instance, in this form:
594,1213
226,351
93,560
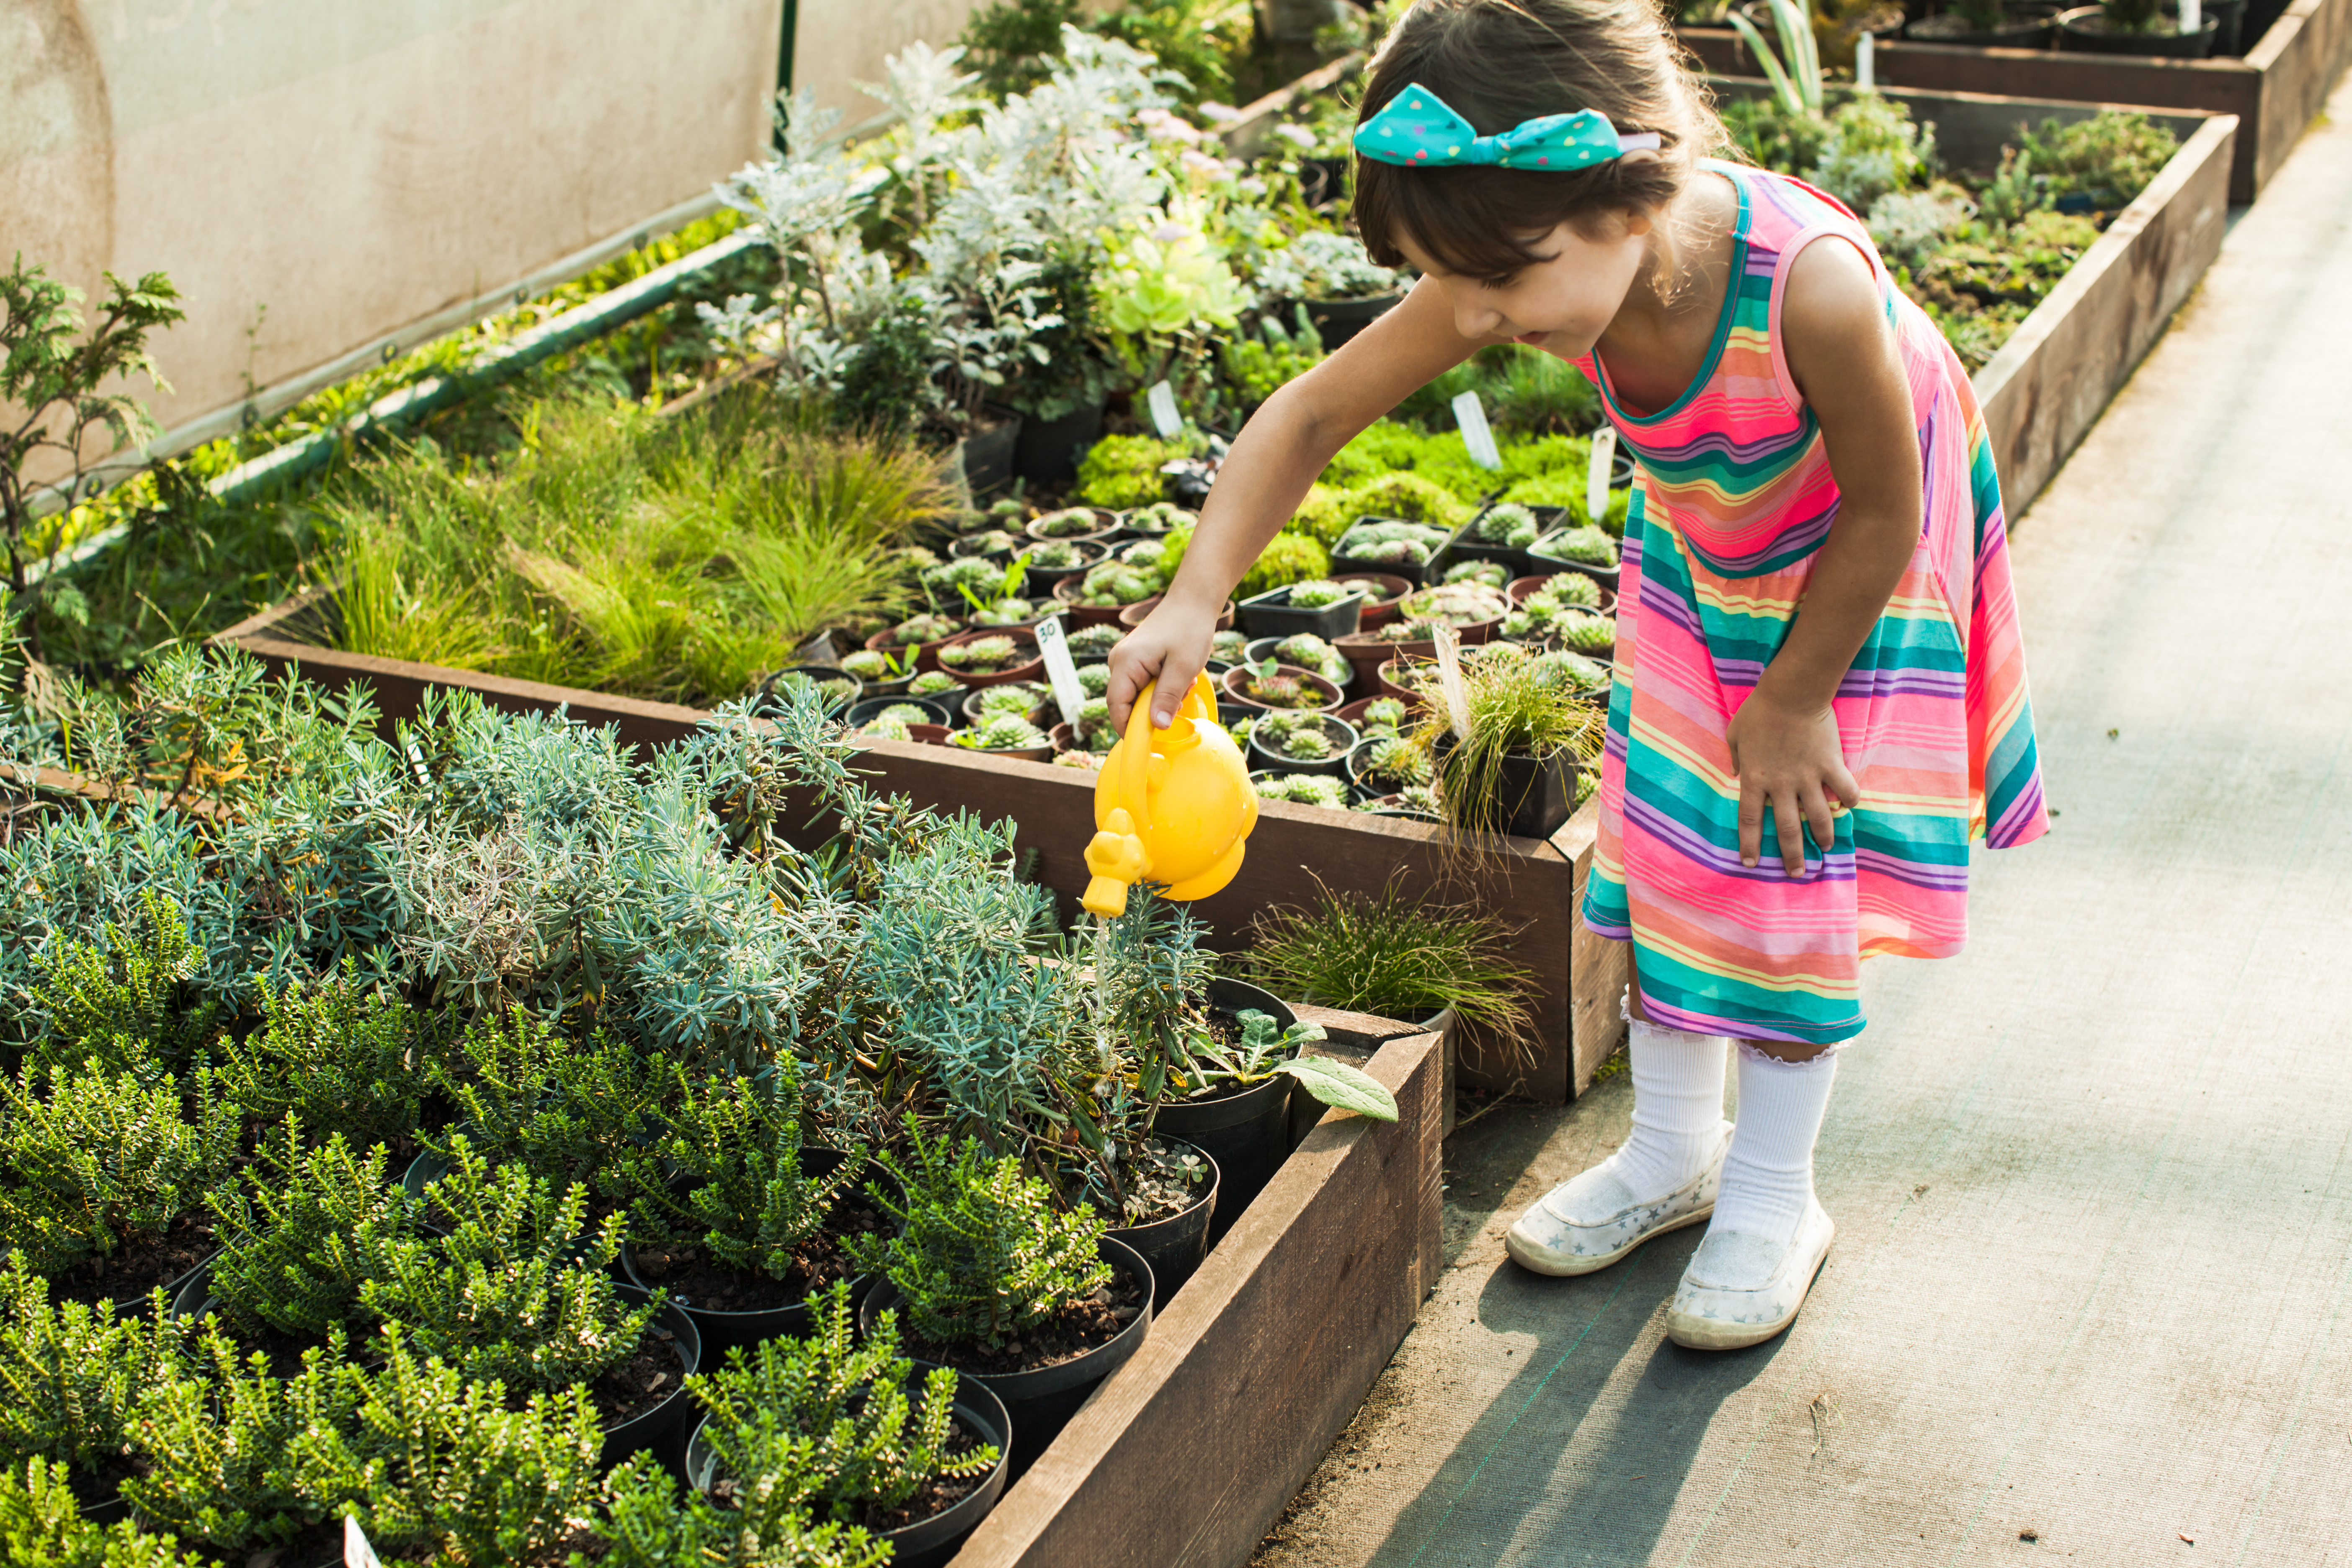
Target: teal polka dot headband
1417,130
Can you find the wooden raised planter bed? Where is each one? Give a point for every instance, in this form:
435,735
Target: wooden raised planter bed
2048,384
2275,90
1537,884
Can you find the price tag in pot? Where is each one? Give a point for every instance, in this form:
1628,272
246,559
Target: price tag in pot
1471,414
1596,477
1866,59
1061,673
1161,401
2193,17
357,1553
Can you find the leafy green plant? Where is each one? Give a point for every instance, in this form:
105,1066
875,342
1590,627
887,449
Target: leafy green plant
126,1002
311,1227
831,1418
1258,367
647,1526
342,1055
568,1109
984,1254
518,1289
728,1171
95,1163
73,1374
1264,1049
41,1526
1796,73
1122,471
1506,704
1265,682
53,389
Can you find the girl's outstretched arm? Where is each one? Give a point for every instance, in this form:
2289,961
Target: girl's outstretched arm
1277,454
1841,351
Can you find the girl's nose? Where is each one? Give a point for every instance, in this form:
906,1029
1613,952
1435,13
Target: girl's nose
1473,319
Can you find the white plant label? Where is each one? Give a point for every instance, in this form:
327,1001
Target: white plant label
1061,672
1596,477
357,1553
1866,59
2193,17
1476,434
1161,401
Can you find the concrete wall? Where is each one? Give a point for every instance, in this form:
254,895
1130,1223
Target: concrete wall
319,175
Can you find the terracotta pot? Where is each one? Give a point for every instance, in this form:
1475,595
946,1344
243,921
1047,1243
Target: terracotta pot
1106,524
1384,589
1065,593
1234,679
881,643
1030,671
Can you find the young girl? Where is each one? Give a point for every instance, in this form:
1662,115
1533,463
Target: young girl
1819,695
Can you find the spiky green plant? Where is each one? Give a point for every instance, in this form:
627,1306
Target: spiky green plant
564,1109
981,656
1004,732
41,1526
1319,594
1586,633
342,1055
984,1254
933,682
306,1232
125,1001
73,1375
1306,745
831,1418
646,1525
518,1289
1513,707
95,1162
1584,544
1509,523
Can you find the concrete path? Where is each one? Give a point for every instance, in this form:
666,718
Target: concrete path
2089,1298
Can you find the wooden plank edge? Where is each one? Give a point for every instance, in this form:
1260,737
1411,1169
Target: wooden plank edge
1183,1339
2108,263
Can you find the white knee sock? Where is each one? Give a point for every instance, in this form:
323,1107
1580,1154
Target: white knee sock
1677,1109
1767,1176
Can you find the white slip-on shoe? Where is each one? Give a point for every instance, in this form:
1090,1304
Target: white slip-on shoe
1741,1290
1592,1221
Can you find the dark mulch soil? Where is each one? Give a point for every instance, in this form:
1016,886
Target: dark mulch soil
649,1376
140,1267
98,1481
694,1278
935,1496
1084,1325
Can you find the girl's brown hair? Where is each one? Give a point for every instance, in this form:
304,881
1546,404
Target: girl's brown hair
1499,63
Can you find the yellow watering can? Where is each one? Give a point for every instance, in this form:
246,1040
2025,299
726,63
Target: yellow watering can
1173,807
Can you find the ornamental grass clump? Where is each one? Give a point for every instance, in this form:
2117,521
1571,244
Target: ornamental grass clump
97,1166
727,1173
986,1255
1503,704
309,1228
842,1425
517,1289
341,1056
1394,956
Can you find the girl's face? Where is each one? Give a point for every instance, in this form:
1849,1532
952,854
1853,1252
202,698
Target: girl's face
1562,305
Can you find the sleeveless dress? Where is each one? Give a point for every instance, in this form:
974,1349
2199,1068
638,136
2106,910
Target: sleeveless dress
1733,497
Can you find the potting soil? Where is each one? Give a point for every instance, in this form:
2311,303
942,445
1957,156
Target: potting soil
1084,1325
647,1377
142,1264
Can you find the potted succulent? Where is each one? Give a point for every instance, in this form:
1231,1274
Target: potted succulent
1492,574
1156,520
1091,524
985,657
1386,763
1318,608
1007,736
836,687
1416,802
1583,548
1300,789
1134,614
853,1432
1987,24
880,671
1537,617
1343,289
1023,698
901,711
935,686
1305,650
1502,533
1055,560
1092,734
1473,609
991,543
916,638
1096,598
1301,742
1509,764
737,1222
1095,640
991,1278
1392,546
1267,684
2136,28
1383,590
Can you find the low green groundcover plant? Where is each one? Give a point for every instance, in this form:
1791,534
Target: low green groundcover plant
305,1233
1303,789
341,1055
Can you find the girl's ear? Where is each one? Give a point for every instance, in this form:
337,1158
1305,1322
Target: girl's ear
1637,222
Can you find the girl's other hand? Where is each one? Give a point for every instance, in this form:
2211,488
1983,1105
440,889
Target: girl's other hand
1160,657
1789,758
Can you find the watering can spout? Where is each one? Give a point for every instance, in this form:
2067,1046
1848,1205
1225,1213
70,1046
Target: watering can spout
1173,807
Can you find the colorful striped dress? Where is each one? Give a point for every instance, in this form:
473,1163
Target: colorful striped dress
1734,497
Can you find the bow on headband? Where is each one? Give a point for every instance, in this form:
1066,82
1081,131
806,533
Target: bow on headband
1417,130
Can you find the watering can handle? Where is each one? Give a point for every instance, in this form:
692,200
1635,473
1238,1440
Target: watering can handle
1135,757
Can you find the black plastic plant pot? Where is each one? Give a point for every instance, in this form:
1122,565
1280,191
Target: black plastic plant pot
1337,321
926,1542
173,1289
1322,180
1339,731
1272,615
1243,1131
988,455
866,712
1533,795
2024,27
1047,450
1604,575
1176,1245
663,1428
1040,1404
2084,30
722,1330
